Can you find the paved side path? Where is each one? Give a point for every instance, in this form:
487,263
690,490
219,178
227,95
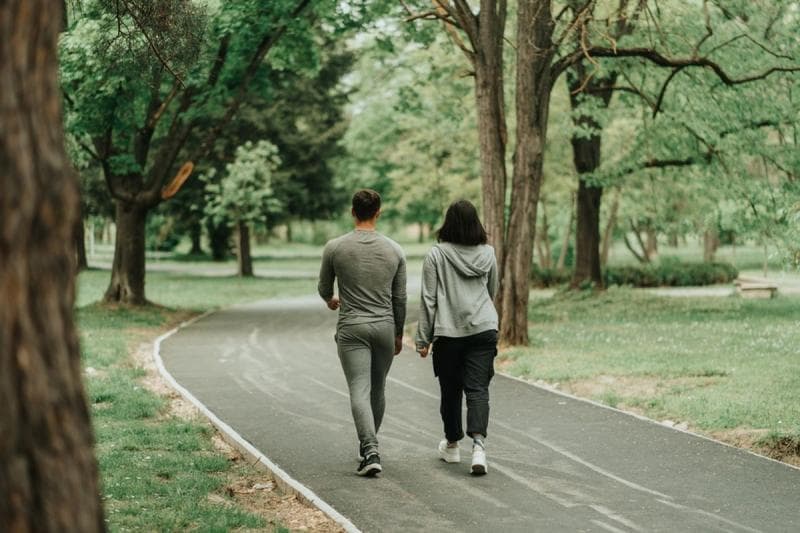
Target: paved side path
270,370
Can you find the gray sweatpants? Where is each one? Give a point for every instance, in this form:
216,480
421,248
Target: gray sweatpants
366,352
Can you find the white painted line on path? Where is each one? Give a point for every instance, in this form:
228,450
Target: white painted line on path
300,489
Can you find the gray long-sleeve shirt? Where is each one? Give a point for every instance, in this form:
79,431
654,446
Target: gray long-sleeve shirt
370,271
458,286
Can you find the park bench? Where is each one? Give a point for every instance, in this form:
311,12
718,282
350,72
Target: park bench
755,288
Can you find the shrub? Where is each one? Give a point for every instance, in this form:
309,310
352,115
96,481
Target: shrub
667,273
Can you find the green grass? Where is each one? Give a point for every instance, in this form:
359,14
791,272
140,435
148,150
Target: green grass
157,471
194,292
716,363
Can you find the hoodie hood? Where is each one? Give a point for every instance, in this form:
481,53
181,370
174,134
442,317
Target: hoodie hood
469,261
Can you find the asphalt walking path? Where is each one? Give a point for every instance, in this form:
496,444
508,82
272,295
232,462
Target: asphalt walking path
270,371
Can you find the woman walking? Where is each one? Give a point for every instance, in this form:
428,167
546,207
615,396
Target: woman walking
458,317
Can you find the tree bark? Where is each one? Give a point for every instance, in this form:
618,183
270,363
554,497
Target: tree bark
243,256
710,245
127,270
652,243
562,256
534,86
80,246
492,133
587,236
196,234
48,474
611,223
543,241
586,154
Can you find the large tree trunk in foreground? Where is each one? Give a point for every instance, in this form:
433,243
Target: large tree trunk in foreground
534,86
48,474
127,271
243,256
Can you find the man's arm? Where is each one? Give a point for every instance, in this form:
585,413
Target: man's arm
326,277
399,298
427,307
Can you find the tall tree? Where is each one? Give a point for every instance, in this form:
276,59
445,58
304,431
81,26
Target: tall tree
546,47
143,78
48,474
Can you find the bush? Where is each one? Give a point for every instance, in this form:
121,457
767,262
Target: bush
671,274
549,277
667,273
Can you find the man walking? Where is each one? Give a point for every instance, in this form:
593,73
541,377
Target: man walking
370,270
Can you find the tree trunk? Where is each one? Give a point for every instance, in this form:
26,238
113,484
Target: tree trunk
492,134
127,271
652,243
196,234
218,237
48,474
587,236
710,245
543,241
562,256
243,257
289,234
586,154
80,246
608,234
534,86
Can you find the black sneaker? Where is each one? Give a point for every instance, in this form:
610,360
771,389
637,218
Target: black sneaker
361,451
370,466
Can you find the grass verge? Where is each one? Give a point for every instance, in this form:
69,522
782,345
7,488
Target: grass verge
162,467
725,367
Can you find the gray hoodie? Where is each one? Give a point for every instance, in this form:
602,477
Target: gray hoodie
458,286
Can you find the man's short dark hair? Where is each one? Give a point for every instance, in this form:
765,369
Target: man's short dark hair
366,204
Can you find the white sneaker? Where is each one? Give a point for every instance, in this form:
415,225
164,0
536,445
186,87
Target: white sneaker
479,466
449,455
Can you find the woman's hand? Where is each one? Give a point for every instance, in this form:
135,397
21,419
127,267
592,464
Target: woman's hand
423,352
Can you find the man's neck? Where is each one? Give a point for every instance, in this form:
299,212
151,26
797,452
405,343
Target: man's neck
366,225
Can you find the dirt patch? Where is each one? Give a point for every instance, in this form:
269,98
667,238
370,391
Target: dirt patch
259,495
785,449
247,487
630,387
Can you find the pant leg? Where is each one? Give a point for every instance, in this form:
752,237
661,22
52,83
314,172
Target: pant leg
355,355
479,353
447,366
382,346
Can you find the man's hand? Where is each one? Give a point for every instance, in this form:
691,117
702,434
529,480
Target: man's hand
398,344
423,352
333,304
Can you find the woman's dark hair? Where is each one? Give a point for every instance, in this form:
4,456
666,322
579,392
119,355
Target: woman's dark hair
366,204
462,225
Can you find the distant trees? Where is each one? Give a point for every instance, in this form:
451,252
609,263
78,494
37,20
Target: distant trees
244,196
142,80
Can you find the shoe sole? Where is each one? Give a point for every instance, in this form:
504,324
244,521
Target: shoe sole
370,470
449,459
479,470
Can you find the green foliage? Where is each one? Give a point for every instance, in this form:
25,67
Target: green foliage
244,194
665,273
671,274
